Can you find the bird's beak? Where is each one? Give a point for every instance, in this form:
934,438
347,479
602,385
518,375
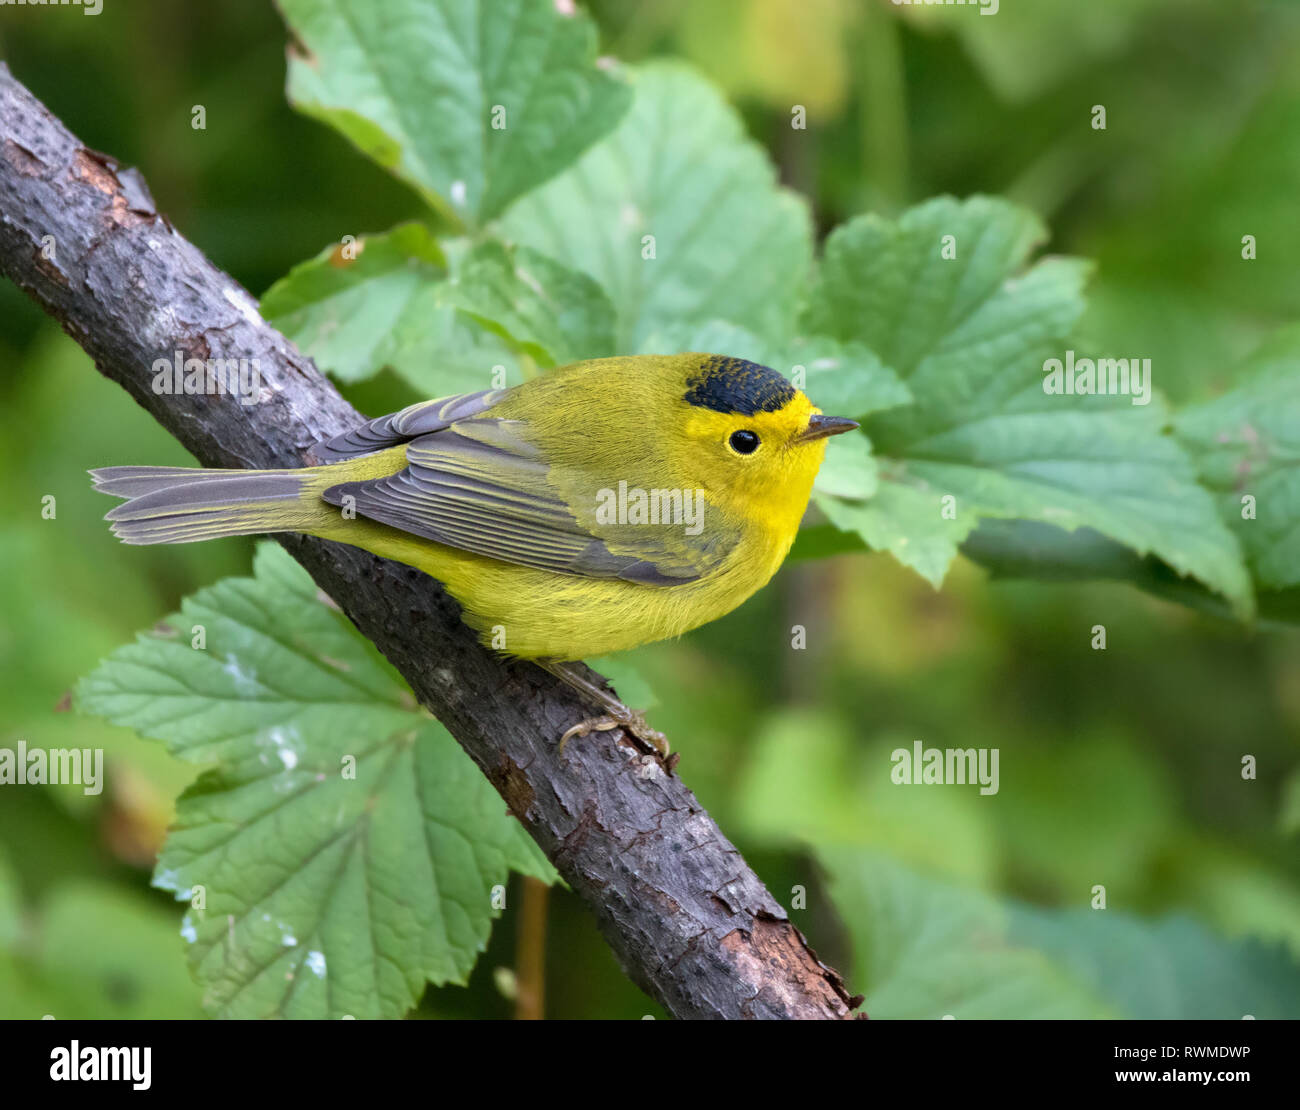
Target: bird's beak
819,427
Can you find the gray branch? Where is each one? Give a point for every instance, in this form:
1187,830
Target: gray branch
687,918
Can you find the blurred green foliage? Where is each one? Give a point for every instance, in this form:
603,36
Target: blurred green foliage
1120,768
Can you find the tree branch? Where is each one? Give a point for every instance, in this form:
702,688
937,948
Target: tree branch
687,918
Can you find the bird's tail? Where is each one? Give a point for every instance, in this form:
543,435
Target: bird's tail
176,504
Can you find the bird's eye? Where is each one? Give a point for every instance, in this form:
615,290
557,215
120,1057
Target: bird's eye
744,442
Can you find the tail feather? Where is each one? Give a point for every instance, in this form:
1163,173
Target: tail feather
172,504
133,481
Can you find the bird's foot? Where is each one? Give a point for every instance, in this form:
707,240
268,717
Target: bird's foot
616,715
631,721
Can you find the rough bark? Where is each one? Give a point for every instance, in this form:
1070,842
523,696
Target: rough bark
688,919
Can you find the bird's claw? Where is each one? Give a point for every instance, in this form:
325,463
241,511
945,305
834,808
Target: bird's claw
633,723
587,727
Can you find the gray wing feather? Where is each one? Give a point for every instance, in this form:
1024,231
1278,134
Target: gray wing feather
480,487
397,427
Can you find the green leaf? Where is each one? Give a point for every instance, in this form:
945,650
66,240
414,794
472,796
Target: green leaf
908,521
726,242
925,948
1030,549
345,845
1172,968
969,335
1247,444
556,314
845,379
362,306
386,308
887,284
472,103
849,469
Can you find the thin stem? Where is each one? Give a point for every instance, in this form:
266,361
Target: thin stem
530,951
883,108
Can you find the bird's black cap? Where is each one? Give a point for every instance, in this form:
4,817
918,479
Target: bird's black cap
734,385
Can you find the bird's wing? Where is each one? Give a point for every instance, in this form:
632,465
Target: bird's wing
398,427
478,485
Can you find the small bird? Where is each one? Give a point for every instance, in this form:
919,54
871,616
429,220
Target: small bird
603,505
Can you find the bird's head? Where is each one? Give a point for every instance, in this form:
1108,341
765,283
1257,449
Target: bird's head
755,440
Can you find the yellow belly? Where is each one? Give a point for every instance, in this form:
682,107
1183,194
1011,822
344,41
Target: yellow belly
532,614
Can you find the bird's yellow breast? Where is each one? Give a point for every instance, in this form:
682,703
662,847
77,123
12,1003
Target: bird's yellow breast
536,614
